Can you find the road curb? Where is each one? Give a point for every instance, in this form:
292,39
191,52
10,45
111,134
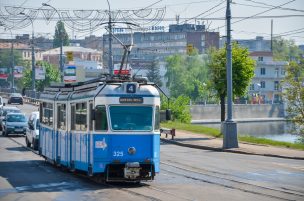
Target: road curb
227,150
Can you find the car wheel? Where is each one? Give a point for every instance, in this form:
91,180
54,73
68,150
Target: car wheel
35,144
28,144
5,133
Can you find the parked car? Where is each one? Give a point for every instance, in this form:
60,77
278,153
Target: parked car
14,123
15,98
1,103
32,131
4,111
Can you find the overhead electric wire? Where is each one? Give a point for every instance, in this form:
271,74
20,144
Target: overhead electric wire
258,13
262,3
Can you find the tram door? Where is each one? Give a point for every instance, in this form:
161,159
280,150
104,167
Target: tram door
62,135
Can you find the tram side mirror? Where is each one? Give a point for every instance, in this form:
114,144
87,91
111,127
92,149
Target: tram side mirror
93,114
168,115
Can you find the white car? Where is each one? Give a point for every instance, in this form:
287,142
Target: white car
32,132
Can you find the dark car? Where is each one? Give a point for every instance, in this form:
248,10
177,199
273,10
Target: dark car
4,111
15,98
14,123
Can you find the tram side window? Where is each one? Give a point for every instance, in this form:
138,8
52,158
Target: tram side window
72,117
157,120
81,117
61,117
47,114
101,121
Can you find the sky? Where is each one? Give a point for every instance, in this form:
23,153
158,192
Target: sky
287,15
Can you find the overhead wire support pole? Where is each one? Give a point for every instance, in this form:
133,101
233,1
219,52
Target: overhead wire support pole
33,53
229,126
110,61
61,43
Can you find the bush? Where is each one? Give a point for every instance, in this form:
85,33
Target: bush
179,108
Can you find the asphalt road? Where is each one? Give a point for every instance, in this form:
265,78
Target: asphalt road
186,174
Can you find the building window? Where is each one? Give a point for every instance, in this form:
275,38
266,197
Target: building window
260,58
263,85
276,85
251,87
283,71
276,72
263,71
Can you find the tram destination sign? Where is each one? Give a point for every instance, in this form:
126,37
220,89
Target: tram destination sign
131,100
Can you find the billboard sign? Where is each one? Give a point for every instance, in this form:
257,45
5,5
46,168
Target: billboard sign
3,74
39,73
18,71
69,74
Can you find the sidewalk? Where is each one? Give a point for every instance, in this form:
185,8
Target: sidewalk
201,141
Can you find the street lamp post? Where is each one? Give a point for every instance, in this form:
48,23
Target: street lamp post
33,53
61,42
230,139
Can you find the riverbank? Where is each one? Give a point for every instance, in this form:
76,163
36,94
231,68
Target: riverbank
199,129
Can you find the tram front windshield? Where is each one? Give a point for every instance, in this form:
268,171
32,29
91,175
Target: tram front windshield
138,118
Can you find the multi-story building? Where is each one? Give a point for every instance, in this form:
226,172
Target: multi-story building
266,84
86,54
25,49
149,46
88,59
259,44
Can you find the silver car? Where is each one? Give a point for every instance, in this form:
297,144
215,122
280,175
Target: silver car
32,131
14,123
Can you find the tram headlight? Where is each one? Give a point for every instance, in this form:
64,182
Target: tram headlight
131,150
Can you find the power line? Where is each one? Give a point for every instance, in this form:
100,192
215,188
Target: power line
282,8
259,13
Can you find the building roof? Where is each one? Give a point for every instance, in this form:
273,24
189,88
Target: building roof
8,45
261,53
70,49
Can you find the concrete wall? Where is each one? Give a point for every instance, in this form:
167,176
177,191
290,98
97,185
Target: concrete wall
201,112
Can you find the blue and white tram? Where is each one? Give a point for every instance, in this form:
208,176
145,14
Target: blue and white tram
108,128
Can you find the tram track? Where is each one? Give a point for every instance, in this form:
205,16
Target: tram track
221,179
124,187
196,174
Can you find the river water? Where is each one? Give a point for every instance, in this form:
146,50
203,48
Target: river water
278,130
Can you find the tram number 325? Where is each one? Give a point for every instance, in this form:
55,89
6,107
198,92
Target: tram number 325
118,153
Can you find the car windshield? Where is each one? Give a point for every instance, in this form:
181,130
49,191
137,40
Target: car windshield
6,111
16,118
16,95
137,118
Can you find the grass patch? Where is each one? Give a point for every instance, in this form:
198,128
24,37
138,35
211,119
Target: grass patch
271,142
192,128
216,133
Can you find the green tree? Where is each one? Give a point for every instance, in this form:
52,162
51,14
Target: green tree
60,34
187,75
6,57
294,93
179,108
154,75
285,50
242,72
52,74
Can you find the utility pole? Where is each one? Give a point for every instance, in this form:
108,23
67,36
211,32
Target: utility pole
33,54
230,139
61,42
271,40
13,65
110,61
